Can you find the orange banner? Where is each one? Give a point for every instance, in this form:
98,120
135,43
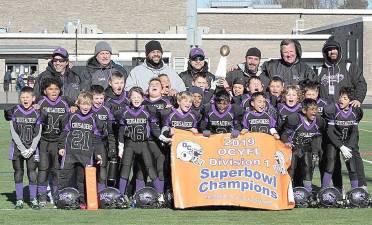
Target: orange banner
249,171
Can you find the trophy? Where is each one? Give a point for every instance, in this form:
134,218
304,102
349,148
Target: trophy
221,68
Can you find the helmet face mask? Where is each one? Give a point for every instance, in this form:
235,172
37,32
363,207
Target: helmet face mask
329,197
302,197
111,198
168,197
68,198
146,197
358,197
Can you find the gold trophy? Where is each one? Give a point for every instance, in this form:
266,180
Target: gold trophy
222,66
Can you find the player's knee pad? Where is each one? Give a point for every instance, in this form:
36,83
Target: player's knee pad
160,166
18,176
124,172
32,176
42,177
102,175
152,174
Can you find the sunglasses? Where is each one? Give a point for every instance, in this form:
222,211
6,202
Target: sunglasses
198,58
59,60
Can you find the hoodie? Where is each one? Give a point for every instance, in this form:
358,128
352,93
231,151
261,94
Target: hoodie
335,74
290,73
142,74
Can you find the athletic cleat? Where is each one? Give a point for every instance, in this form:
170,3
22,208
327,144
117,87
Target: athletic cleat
19,204
35,204
42,204
161,201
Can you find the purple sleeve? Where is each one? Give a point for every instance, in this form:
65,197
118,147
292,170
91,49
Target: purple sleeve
245,121
272,122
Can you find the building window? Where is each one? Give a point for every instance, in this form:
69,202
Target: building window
180,64
348,49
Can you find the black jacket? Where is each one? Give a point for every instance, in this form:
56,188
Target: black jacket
93,68
71,82
339,74
290,73
240,73
188,75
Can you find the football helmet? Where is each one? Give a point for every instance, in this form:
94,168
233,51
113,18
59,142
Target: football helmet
189,151
329,197
111,198
68,198
301,197
146,197
358,197
168,197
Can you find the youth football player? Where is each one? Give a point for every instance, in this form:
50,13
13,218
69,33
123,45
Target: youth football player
80,143
25,128
302,132
221,116
103,114
257,119
342,131
137,125
54,115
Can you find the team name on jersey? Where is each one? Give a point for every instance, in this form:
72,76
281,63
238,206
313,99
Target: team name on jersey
158,106
181,124
25,120
221,123
82,126
344,123
306,134
54,110
131,121
259,121
102,117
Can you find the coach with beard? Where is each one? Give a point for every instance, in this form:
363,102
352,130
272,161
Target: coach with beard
152,67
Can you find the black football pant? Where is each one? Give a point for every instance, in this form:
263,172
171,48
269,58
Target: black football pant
306,170
73,175
18,166
49,163
138,149
158,160
333,153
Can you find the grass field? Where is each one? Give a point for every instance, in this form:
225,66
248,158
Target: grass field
167,216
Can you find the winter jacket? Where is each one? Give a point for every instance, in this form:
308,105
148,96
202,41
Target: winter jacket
142,74
94,74
290,73
339,74
188,75
71,83
240,73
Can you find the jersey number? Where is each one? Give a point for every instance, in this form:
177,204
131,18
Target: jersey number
136,132
53,124
80,140
26,132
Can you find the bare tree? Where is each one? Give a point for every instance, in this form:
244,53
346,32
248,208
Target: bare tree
354,4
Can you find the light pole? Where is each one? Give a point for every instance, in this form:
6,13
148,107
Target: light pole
77,24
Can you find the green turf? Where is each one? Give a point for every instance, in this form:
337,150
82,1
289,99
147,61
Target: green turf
167,216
